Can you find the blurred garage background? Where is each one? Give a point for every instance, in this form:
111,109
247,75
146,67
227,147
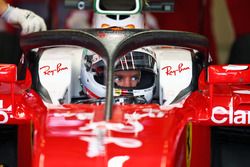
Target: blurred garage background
222,21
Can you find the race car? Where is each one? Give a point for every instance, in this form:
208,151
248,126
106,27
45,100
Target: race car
114,134
49,121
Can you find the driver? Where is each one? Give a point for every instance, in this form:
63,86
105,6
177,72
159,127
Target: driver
135,73
134,76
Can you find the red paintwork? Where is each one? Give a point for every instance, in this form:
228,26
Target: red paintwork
157,133
218,74
8,72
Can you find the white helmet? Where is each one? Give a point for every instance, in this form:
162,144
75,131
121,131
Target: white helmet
125,21
143,59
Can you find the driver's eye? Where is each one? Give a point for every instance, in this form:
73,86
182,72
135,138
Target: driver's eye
117,78
135,78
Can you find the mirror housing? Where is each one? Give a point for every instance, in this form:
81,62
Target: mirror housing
8,73
231,74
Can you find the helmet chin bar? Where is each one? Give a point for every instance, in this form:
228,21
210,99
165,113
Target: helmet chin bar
118,91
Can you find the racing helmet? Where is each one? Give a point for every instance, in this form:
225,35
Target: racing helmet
125,21
142,59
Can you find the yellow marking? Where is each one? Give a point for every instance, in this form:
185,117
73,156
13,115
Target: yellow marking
188,144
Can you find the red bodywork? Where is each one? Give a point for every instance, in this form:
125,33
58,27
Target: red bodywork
142,134
136,135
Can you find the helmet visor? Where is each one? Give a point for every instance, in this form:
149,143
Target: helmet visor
136,61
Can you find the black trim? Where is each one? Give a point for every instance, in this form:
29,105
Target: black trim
230,146
152,5
8,145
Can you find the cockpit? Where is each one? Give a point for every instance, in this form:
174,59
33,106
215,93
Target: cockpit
64,73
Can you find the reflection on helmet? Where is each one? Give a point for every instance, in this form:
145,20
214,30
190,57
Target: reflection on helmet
142,60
